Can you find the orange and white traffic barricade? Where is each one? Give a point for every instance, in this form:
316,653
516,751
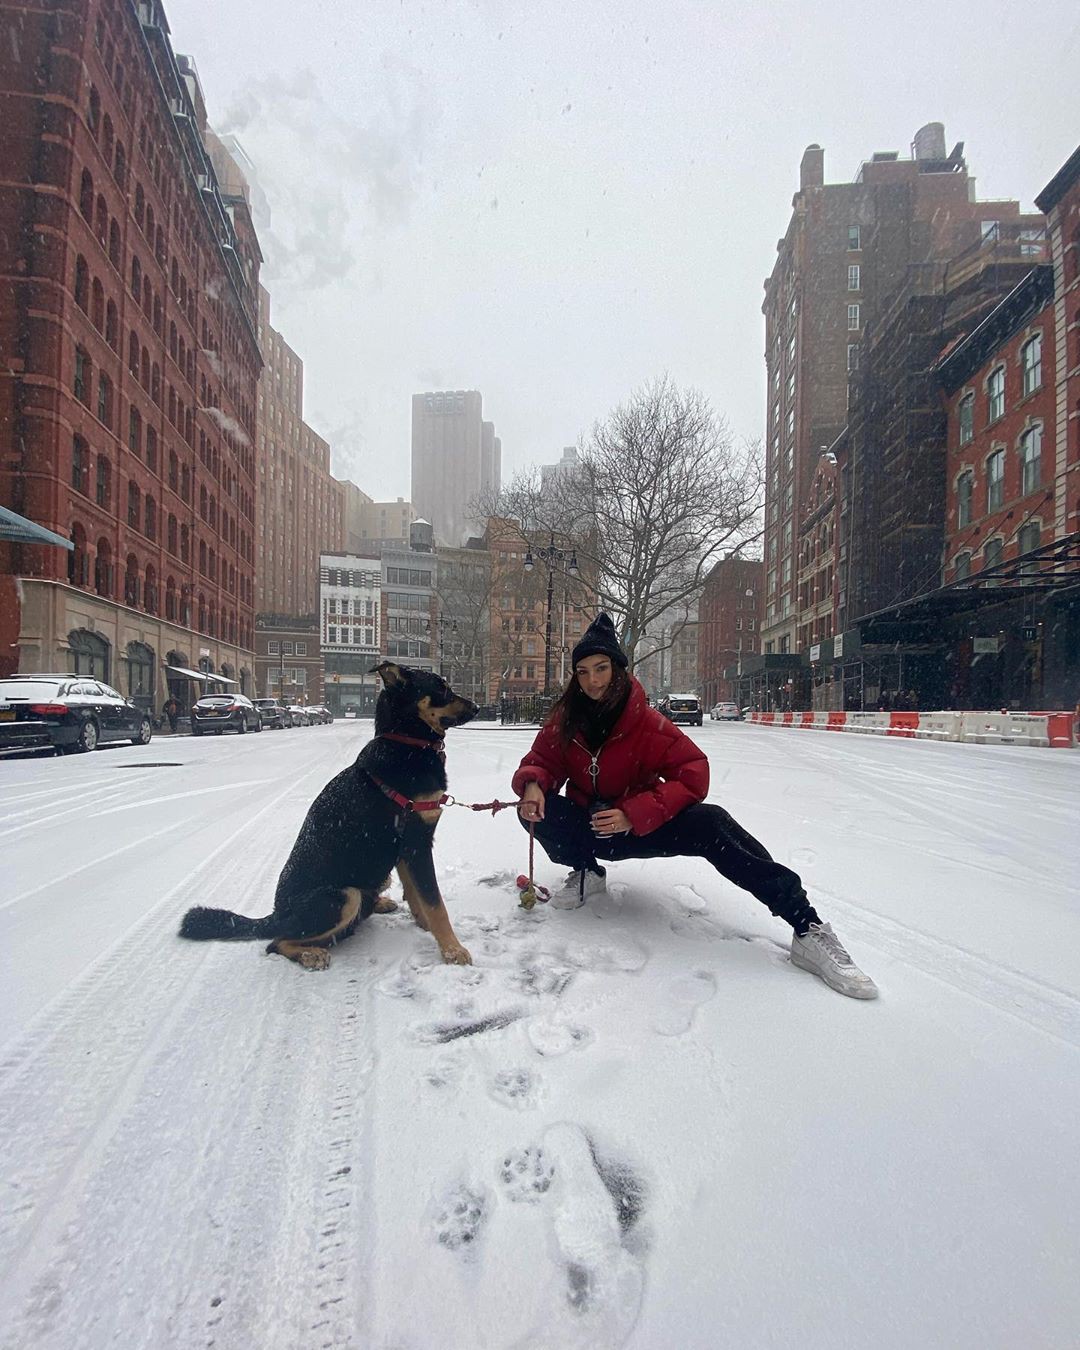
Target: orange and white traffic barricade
903,724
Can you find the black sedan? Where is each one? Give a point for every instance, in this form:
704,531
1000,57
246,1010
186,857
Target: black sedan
67,712
219,712
273,714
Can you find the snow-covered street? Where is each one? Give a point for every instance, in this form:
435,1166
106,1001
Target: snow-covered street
634,1124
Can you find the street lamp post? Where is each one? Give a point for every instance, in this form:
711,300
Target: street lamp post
552,558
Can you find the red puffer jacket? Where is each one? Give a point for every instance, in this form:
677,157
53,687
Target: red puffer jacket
647,767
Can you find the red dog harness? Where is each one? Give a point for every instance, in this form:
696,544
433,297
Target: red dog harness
399,800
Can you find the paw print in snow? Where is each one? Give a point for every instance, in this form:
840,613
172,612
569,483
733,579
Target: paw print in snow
526,1174
458,1218
513,1087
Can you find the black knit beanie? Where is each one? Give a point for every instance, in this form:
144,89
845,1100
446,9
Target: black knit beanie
600,639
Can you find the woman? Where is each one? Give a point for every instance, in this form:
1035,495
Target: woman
635,789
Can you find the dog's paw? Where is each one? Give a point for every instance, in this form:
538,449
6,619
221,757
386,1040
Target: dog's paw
386,904
456,955
314,958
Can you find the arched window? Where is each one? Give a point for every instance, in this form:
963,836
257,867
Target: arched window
114,244
101,221
131,580
97,306
88,654
133,353
93,112
157,315
185,484
134,503
112,325
172,339
185,543
104,400
86,195
155,383
170,599
78,559
1030,459
140,205
144,369
203,502
150,518
213,565
120,165
136,277
141,665
82,284
107,139
151,449
995,393
103,568
202,612
150,590
174,471
83,372
147,295
202,557
171,533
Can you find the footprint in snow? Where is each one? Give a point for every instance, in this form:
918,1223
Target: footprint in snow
689,899
515,1088
550,1038
526,1174
590,1221
457,1217
681,1000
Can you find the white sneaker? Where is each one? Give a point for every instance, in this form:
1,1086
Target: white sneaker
578,887
822,953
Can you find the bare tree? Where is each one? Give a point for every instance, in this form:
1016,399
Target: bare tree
660,495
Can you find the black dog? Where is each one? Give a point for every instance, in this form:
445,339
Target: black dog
378,814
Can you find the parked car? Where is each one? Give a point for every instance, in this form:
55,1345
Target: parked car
725,712
320,713
219,712
683,708
274,714
68,712
301,714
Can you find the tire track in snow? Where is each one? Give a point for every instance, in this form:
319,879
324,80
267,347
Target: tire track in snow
66,1082
1053,1011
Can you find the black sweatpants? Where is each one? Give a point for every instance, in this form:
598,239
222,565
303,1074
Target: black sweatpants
698,831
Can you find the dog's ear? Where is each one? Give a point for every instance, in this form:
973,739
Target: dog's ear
392,675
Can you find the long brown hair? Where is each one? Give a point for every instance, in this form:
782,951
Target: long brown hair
569,712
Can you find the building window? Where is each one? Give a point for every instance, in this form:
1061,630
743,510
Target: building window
964,489
967,418
995,480
1030,455
102,493
82,375
301,649
853,321
1027,540
852,357
962,567
995,390
273,647
853,277
853,238
992,551
104,400
1031,363
80,465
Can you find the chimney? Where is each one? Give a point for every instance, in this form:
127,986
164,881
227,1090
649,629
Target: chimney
812,168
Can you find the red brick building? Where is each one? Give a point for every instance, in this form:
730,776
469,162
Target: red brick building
729,624
999,397
1060,199
129,317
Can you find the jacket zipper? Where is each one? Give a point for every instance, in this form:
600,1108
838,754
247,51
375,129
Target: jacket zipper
594,767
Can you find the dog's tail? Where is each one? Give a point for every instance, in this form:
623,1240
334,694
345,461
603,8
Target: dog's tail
202,925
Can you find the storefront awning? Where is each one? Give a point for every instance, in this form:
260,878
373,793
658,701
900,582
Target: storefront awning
22,531
200,675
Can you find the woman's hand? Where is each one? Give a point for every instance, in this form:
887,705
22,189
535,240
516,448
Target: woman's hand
611,822
531,806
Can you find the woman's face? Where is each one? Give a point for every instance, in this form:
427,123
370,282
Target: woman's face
594,675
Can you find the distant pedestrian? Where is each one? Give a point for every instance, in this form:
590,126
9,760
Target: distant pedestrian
171,710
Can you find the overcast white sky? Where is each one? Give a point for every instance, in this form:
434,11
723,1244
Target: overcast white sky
553,202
